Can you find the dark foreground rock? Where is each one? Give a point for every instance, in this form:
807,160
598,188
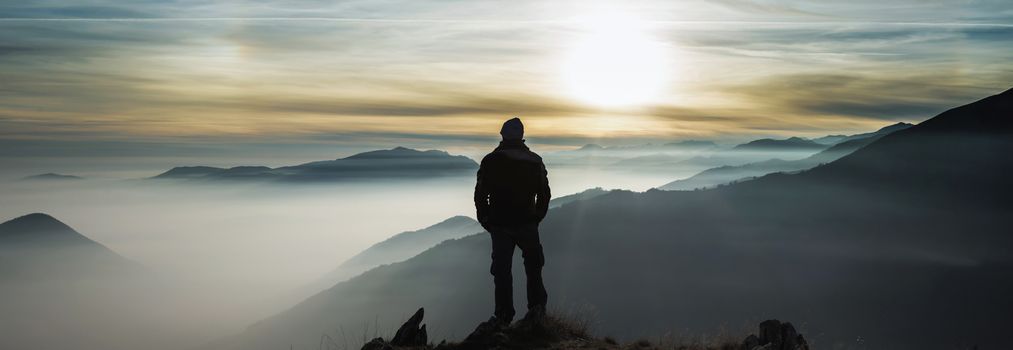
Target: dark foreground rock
556,333
775,335
412,334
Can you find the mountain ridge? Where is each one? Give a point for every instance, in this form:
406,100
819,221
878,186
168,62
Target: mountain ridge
731,173
791,143
398,162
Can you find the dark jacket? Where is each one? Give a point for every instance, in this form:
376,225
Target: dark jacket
512,187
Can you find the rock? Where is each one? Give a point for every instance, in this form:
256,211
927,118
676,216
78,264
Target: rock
770,333
377,344
411,333
775,335
488,335
750,343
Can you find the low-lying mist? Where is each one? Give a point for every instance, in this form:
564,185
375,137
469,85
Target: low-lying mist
220,255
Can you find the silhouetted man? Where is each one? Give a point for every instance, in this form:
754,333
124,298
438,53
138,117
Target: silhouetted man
512,197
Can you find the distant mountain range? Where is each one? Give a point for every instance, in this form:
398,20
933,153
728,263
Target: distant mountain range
904,237
729,173
697,155
791,143
593,154
685,145
399,162
52,177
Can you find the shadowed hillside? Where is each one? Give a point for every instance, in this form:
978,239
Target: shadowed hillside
402,246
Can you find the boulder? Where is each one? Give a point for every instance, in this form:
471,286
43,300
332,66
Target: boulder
774,335
412,332
411,335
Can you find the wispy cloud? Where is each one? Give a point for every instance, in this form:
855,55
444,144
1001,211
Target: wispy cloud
425,72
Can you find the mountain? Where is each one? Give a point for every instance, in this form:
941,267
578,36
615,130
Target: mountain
885,130
398,162
684,145
40,247
407,244
692,144
789,144
730,173
56,281
830,140
903,238
402,246
586,194
51,177
189,172
650,155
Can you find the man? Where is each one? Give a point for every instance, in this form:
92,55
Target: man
512,197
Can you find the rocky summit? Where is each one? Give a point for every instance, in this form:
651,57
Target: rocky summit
558,333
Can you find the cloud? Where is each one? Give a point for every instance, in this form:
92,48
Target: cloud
403,72
905,98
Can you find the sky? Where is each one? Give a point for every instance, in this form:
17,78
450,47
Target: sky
309,79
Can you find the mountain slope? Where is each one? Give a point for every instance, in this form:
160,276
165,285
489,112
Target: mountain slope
398,162
579,196
60,290
402,246
407,244
731,173
39,247
905,237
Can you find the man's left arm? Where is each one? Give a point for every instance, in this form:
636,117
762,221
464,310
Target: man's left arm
543,195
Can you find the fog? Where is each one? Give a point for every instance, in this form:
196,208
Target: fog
230,253
219,256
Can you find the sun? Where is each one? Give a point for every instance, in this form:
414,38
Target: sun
615,63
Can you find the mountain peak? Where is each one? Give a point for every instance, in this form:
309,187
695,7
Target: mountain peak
52,176
34,221
399,152
37,226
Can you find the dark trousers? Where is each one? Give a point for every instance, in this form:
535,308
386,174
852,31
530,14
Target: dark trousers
504,239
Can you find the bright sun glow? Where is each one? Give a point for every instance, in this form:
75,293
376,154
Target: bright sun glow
616,63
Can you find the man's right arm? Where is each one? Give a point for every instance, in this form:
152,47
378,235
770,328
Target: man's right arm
481,196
